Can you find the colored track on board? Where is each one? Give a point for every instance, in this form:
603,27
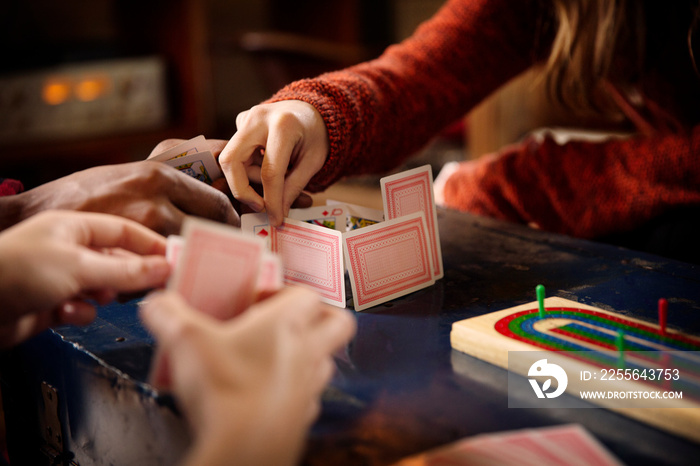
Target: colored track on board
595,333
592,327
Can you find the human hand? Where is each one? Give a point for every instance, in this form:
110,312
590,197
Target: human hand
215,146
249,386
50,263
150,193
281,145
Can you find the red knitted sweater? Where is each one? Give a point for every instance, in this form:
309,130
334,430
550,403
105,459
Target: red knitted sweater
380,112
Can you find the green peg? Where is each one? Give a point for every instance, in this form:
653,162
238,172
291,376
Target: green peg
539,289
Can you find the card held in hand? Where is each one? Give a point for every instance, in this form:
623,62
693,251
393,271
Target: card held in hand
388,260
192,146
256,223
173,247
312,256
201,166
192,158
218,268
270,277
412,191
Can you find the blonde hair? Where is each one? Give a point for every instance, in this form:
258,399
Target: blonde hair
600,43
588,34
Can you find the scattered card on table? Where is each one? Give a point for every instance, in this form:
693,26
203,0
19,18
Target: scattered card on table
217,272
388,260
312,256
358,216
412,191
567,445
333,217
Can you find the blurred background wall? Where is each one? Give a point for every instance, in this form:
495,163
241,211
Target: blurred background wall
86,83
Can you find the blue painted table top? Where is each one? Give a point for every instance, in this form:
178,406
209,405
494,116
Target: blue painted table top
401,389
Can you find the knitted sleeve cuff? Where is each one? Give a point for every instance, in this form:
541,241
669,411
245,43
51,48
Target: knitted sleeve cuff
322,96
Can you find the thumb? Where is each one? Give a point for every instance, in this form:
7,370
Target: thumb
161,313
178,329
75,312
169,318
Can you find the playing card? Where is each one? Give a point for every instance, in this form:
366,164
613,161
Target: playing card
412,191
257,224
577,442
270,278
312,256
200,165
218,268
358,216
194,145
388,260
568,445
515,447
173,248
333,217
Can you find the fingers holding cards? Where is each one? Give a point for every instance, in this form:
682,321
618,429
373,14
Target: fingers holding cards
217,268
387,254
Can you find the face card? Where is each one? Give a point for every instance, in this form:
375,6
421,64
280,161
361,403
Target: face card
388,260
412,191
333,217
218,269
312,256
200,165
194,145
358,216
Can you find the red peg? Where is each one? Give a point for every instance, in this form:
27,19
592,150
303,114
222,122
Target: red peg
663,311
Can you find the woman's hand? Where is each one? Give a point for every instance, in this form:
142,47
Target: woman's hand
249,386
281,145
51,263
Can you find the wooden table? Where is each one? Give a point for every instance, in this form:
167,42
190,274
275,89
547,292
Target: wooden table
400,388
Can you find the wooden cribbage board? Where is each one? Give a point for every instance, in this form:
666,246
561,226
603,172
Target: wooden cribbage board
491,336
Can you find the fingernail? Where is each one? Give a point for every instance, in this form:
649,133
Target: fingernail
275,221
151,296
68,308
